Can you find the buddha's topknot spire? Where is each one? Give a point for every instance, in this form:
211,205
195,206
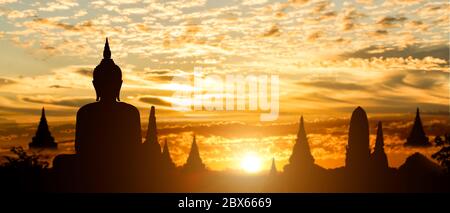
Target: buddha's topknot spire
107,75
106,50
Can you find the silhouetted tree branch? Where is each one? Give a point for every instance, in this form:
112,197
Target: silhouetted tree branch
443,155
23,160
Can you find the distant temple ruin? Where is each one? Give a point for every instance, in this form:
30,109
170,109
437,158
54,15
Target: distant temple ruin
194,161
417,136
43,138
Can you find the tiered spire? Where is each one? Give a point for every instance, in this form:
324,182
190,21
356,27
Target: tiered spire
273,168
166,159
301,157
151,140
194,161
379,158
417,136
43,137
379,143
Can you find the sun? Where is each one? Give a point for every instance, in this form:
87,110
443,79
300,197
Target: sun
251,163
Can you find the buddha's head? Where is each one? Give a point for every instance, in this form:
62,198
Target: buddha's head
107,78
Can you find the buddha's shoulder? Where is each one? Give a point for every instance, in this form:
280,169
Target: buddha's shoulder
127,107
88,107
96,106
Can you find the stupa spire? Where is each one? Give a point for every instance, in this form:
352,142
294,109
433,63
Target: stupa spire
167,160
194,161
379,142
301,154
417,136
273,168
151,140
378,157
43,137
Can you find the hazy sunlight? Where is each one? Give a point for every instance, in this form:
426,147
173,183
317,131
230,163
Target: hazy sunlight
251,163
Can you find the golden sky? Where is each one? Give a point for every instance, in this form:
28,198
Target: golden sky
331,56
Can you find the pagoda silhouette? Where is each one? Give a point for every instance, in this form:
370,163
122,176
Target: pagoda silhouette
152,149
43,138
166,160
378,157
273,168
417,135
301,157
194,162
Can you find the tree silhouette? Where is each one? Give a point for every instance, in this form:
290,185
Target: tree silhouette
23,160
24,172
438,141
443,155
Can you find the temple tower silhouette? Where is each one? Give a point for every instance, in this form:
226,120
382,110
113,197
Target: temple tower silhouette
194,162
152,148
273,168
417,136
358,151
167,162
301,157
378,157
43,137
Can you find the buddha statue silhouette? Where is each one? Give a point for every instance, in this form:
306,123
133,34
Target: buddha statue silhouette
107,126
108,133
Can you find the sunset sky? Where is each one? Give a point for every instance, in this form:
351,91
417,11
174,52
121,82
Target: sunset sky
331,56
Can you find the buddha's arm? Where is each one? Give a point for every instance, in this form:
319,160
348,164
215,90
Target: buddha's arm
137,128
79,132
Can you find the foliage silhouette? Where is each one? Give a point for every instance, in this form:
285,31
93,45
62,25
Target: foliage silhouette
23,160
443,155
24,172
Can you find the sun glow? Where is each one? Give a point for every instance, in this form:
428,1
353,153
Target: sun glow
251,163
